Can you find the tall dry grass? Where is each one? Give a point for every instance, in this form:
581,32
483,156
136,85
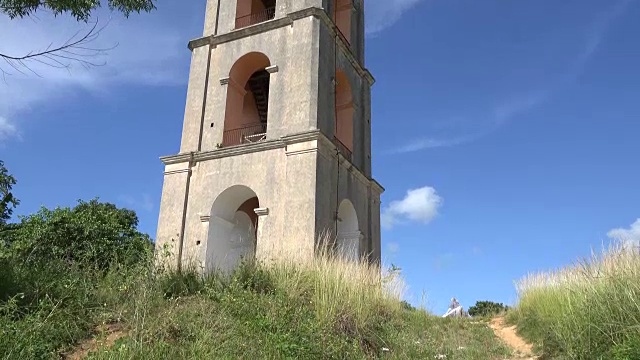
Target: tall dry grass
339,287
588,310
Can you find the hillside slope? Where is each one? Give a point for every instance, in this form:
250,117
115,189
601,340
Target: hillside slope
327,309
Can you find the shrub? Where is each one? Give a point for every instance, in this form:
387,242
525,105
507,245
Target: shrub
487,308
92,234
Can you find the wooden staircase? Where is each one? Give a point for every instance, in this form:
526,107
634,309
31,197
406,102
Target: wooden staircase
259,85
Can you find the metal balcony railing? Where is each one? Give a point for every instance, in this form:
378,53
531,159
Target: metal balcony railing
255,18
343,149
245,135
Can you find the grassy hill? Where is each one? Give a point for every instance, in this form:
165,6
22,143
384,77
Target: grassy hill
325,309
589,310
70,275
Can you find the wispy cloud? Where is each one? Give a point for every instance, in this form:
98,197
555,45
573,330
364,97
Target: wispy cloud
595,37
147,51
419,205
142,202
393,247
380,14
627,237
509,109
7,129
477,251
431,143
443,261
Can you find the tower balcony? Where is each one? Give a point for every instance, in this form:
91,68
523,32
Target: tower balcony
245,135
256,17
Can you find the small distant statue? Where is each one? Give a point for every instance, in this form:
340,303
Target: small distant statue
455,309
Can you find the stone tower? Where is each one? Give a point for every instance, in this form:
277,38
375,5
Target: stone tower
276,141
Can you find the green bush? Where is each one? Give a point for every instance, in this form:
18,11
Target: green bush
487,308
91,234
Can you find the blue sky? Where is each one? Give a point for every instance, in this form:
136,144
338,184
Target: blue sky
506,134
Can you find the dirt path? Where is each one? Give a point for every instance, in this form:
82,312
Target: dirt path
521,348
113,332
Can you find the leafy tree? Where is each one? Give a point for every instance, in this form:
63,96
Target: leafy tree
90,234
487,308
407,306
76,48
79,9
8,202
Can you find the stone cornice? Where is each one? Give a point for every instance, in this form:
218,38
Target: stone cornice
346,48
345,163
311,135
261,211
176,159
215,40
179,171
376,185
302,137
242,149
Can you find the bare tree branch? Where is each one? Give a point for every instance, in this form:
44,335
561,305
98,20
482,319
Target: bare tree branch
76,50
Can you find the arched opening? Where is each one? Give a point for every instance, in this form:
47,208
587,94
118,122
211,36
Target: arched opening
344,114
247,100
250,12
233,226
342,18
349,235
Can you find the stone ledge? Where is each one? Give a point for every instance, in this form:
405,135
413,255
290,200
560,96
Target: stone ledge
242,149
281,143
215,40
261,211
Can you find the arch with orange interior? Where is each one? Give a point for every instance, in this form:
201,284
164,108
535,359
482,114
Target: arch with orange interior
342,17
250,12
246,112
344,110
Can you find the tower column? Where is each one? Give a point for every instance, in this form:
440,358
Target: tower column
264,247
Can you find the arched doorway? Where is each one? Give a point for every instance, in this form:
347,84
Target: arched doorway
344,114
349,235
232,233
247,106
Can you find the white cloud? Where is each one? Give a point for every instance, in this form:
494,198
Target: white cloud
147,52
7,129
419,205
380,14
627,237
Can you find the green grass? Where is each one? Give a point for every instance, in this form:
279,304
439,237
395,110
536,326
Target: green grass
590,310
324,308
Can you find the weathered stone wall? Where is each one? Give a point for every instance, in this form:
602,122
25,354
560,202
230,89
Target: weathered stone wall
344,181
294,172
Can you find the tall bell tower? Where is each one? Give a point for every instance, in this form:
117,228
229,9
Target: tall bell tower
276,141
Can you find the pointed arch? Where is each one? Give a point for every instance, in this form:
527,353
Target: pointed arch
247,107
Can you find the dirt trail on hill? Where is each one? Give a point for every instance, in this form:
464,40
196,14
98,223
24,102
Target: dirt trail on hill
113,332
509,335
